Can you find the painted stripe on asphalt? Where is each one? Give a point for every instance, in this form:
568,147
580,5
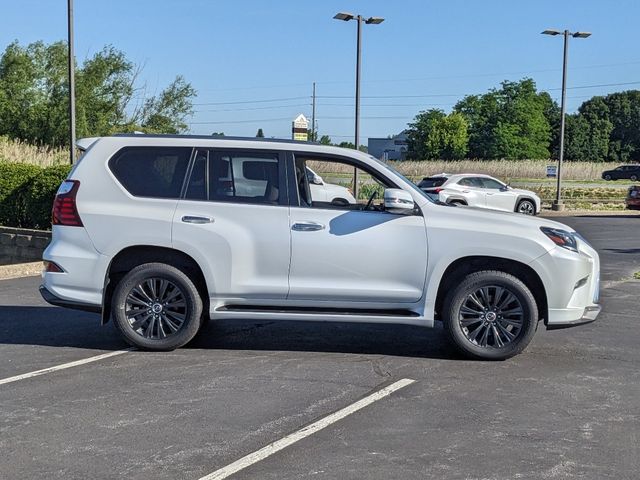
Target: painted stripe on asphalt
304,432
64,366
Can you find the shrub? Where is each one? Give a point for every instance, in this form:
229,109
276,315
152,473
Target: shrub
12,177
27,192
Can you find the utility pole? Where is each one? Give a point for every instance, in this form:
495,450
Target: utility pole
72,84
313,115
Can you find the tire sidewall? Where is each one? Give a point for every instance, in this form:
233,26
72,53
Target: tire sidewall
474,281
192,299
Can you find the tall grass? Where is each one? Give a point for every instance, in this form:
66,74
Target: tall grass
17,151
503,169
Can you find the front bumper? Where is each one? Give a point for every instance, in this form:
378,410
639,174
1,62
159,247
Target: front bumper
572,284
589,315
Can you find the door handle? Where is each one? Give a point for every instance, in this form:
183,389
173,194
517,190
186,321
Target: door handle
490,193
197,219
307,227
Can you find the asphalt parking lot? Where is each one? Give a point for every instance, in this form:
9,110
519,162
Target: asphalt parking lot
568,407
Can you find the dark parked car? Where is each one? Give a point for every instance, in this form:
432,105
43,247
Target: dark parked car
631,172
633,198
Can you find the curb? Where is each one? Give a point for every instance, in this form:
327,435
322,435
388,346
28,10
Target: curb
20,270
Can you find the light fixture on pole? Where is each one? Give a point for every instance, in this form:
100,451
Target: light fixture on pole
557,204
369,21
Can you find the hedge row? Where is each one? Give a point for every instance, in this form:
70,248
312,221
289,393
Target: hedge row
27,192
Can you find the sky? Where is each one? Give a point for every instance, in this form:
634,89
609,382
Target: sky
253,62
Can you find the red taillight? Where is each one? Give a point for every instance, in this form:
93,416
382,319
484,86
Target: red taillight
437,190
52,267
64,210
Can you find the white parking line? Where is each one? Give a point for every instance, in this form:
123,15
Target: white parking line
292,438
62,367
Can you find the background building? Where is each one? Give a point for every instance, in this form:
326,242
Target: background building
393,148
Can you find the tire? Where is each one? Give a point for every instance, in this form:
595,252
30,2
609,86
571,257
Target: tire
633,178
526,207
607,177
466,322
157,307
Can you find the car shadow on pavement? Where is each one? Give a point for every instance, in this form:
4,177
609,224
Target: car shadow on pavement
326,337
55,327
58,327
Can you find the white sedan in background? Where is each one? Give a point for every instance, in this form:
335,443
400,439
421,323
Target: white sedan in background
483,191
328,192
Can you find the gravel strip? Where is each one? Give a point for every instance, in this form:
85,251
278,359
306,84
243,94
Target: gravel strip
20,270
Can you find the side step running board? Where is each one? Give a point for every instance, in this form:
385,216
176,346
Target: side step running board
318,311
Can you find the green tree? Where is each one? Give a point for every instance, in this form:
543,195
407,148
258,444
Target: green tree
435,135
325,140
34,96
260,133
588,132
510,122
624,115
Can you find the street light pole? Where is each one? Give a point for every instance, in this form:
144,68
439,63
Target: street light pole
557,204
358,59
72,84
359,19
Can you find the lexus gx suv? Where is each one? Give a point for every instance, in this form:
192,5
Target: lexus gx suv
160,233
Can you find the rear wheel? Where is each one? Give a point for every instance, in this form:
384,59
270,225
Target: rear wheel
157,307
490,315
607,177
526,207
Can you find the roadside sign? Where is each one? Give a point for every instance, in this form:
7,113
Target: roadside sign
552,171
299,128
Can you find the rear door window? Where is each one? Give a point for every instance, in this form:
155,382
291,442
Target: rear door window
242,177
156,172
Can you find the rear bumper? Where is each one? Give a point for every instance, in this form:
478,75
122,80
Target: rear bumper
589,315
61,302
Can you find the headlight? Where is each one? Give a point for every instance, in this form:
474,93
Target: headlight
562,238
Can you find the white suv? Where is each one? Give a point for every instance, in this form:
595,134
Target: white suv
160,233
477,190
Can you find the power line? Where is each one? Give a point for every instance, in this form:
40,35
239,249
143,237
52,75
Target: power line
255,101
260,120
254,108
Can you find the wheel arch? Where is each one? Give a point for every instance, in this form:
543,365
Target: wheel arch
463,266
457,198
520,198
130,257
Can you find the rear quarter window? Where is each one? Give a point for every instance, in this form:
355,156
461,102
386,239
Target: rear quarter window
156,172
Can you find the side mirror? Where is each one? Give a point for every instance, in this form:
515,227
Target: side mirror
314,178
398,201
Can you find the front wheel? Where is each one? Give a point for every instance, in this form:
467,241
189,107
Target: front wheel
633,178
157,307
490,315
526,207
